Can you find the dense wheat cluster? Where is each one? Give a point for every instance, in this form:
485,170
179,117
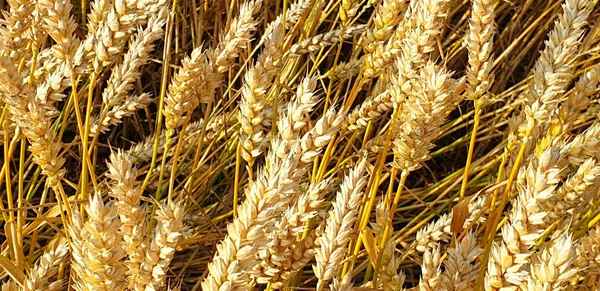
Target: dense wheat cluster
300,145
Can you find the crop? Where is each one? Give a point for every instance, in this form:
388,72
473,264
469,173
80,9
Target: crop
300,145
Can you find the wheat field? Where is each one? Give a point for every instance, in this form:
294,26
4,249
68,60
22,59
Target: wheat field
300,145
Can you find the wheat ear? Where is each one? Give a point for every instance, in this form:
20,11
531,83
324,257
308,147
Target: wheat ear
120,83
46,267
160,252
132,215
551,268
461,267
333,243
96,248
387,15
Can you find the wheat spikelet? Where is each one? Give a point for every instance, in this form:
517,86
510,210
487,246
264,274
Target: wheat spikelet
61,26
278,258
266,198
345,70
370,109
132,215
153,269
257,80
293,119
292,15
10,286
570,200
578,100
109,26
96,248
235,256
238,36
46,266
583,146
550,77
215,127
390,278
537,183
439,230
333,243
348,10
